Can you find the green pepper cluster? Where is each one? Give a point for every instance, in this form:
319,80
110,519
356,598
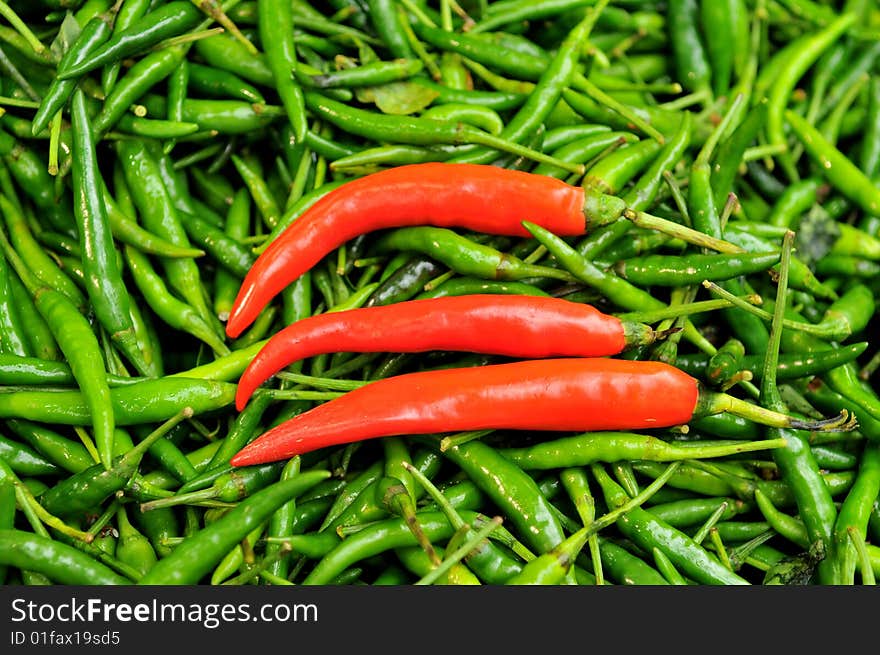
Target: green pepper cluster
150,151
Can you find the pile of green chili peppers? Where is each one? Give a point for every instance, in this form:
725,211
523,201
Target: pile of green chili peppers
149,151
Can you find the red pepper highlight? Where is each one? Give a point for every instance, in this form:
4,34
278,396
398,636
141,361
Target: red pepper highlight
514,326
578,394
477,197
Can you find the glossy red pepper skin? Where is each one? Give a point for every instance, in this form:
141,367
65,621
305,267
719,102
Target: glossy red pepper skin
482,198
513,326
577,394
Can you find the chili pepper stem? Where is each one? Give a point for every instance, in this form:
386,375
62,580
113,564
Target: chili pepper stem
189,498
558,560
836,328
584,84
398,501
678,231
25,497
712,402
867,570
636,501
54,143
87,443
260,568
639,334
453,558
685,309
479,137
215,11
867,371
462,437
22,28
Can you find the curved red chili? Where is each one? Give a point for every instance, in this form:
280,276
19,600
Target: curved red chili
477,197
577,394
515,326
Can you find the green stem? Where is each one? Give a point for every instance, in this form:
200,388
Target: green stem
22,28
54,143
460,553
26,498
769,390
436,495
715,538
832,331
639,499
321,383
678,231
594,92
708,148
478,137
18,102
215,11
711,402
462,437
684,309
703,532
301,394
865,565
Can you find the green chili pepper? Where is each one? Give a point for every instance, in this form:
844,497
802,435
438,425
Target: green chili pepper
805,51
648,531
840,172
417,131
226,251
40,337
462,255
553,78
192,559
169,20
497,100
855,512
93,34
24,460
80,346
146,73
511,489
795,461
172,311
726,27
159,215
612,447
275,21
626,568
59,562
13,338
61,451
688,50
729,154
144,402
42,266
791,366
133,547
484,118
616,289
106,288
220,83
670,270
90,487
379,537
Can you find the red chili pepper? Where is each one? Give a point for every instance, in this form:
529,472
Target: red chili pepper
515,326
482,198
577,394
